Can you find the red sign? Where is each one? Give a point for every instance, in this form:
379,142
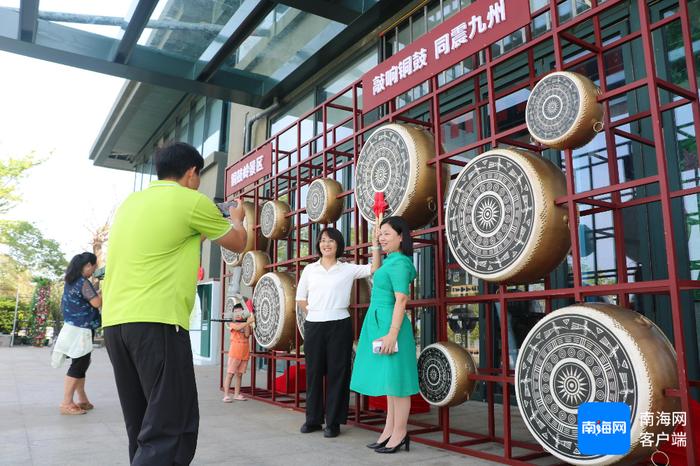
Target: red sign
250,169
473,28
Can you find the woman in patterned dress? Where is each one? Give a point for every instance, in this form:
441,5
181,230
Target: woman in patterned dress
81,317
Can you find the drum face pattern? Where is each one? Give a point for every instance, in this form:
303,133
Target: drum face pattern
563,112
253,266
322,204
267,219
273,301
443,374
394,161
274,222
230,257
228,307
589,353
234,258
300,318
499,211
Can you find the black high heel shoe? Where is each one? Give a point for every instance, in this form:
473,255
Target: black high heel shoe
376,445
406,441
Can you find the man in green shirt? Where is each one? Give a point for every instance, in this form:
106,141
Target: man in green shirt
148,294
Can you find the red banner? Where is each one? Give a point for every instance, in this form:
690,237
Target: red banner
248,170
473,28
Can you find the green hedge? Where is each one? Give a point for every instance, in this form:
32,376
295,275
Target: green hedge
7,311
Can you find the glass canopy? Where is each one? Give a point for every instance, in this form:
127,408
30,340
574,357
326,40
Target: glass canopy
236,50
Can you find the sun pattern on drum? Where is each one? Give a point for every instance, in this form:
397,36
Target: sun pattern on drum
268,301
383,166
569,360
315,201
248,268
267,219
553,107
490,214
434,375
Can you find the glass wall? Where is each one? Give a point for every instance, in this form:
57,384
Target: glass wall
200,121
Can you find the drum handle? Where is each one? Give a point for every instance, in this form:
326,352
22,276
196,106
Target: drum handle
653,461
598,125
432,205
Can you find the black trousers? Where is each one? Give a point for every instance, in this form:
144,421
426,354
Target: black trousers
155,379
328,352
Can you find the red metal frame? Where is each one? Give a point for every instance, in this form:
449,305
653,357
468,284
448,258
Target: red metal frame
326,154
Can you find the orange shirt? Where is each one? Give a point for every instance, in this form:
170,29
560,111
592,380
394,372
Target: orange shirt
240,346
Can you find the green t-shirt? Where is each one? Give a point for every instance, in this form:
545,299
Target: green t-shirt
153,254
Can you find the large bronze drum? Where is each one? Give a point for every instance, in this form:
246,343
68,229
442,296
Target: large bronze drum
563,111
274,222
443,374
501,220
593,353
273,303
253,266
322,203
394,160
365,290
234,258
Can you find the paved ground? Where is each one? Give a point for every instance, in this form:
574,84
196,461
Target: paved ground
245,433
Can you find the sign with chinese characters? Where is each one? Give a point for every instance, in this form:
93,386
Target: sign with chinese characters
250,169
604,428
470,30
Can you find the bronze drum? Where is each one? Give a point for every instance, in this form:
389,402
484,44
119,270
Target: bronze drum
322,203
365,291
253,266
274,222
228,307
593,353
235,258
563,111
443,374
273,303
394,160
501,221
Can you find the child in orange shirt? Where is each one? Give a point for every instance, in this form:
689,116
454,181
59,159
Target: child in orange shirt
238,353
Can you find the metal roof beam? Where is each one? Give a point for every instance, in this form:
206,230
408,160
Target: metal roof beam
334,11
238,28
230,91
137,23
28,23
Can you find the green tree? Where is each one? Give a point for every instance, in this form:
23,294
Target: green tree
11,171
30,250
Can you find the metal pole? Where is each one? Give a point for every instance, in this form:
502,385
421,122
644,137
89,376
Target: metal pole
14,319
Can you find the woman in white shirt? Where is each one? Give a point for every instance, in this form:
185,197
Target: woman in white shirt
323,293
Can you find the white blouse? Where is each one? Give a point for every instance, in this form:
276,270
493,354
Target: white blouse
327,292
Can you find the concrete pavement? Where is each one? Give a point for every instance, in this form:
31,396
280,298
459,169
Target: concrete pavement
241,433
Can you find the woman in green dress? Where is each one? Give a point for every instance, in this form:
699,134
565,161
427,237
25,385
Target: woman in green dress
389,372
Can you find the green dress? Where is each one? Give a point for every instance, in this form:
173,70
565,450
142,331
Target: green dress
387,374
